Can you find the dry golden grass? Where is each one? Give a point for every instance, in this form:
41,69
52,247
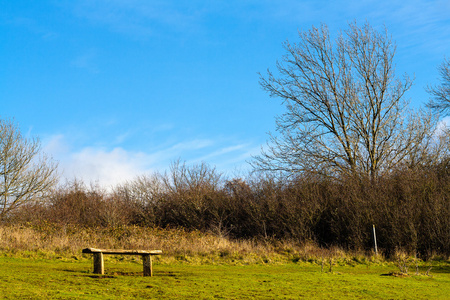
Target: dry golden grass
50,240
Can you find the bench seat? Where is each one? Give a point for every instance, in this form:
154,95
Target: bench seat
99,264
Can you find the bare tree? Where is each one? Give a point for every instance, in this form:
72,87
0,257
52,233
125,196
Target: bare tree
24,173
142,190
440,101
345,109
198,177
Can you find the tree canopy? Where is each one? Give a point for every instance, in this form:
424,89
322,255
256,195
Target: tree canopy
346,111
440,101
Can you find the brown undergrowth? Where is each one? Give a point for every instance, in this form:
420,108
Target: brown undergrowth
409,208
49,240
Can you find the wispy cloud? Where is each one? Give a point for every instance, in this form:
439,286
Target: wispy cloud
421,24
86,61
221,152
30,25
233,158
108,168
111,166
138,18
146,19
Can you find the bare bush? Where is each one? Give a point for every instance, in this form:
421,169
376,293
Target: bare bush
73,203
191,195
143,190
410,208
142,197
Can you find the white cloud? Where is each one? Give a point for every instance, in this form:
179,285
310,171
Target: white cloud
55,144
442,126
108,168
90,164
112,166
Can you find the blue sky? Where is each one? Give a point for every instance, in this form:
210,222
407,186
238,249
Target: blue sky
119,88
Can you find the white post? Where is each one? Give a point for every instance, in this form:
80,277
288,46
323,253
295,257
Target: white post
375,240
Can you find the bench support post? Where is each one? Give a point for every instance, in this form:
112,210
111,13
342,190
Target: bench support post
99,267
147,262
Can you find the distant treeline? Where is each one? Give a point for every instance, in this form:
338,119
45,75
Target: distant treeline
410,208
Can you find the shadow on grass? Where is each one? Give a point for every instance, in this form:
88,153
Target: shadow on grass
441,269
116,274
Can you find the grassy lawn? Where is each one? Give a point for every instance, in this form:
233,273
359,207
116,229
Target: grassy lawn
26,278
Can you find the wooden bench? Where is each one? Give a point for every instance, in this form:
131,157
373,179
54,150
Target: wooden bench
98,258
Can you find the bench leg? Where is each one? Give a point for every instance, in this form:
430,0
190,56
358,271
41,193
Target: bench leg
99,267
147,261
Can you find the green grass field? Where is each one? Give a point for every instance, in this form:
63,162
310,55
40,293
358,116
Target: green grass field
30,278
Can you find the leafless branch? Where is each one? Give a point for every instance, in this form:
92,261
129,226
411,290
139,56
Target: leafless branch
440,101
24,172
345,109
